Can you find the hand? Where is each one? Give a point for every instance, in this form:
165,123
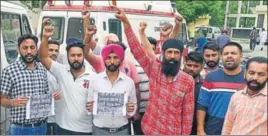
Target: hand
137,116
85,14
130,106
48,29
91,30
120,14
178,18
201,133
57,95
20,101
89,106
166,30
143,26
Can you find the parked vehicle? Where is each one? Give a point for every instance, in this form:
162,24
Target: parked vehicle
68,19
210,32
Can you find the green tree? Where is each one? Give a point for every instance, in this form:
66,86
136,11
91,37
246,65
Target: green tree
191,10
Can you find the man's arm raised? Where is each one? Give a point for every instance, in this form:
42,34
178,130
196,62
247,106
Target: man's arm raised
89,31
48,31
176,30
144,40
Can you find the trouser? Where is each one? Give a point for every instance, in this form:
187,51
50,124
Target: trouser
51,128
62,131
23,129
137,125
262,44
252,44
111,131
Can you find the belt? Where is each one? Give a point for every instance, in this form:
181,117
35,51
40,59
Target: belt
30,125
114,130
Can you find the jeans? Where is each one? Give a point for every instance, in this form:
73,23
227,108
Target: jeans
137,125
252,44
51,128
21,130
62,131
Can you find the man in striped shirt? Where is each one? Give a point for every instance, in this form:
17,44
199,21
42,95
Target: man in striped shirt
247,111
217,89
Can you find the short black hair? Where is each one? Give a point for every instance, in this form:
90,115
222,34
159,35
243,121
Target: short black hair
254,28
195,56
152,41
256,59
211,46
53,42
121,44
232,44
72,42
27,36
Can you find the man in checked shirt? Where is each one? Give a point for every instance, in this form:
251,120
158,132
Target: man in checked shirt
171,102
21,79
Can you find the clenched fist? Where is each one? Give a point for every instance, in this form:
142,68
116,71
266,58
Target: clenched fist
143,26
166,30
48,29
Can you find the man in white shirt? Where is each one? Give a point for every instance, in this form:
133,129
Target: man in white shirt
263,38
72,117
109,93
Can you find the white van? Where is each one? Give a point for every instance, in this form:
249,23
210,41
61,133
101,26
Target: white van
68,19
14,23
210,32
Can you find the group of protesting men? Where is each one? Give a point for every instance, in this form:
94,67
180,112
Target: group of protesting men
163,96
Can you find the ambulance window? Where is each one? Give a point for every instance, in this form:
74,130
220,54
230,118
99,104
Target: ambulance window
58,23
115,27
26,26
11,30
76,29
183,34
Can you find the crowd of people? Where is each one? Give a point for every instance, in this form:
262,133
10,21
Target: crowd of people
206,92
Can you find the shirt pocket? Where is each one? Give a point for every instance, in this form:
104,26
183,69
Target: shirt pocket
175,100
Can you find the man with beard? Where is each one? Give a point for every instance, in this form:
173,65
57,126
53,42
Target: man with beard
211,55
53,52
247,111
72,117
217,89
171,102
193,66
20,80
113,82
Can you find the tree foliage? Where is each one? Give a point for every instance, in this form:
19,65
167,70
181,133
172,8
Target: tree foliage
191,10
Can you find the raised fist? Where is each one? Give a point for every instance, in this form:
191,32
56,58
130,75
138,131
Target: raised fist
178,18
48,29
166,30
143,26
91,30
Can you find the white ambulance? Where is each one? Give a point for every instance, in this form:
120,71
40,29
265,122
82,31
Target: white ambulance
14,23
67,18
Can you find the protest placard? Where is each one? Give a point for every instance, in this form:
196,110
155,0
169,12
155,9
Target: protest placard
39,106
109,104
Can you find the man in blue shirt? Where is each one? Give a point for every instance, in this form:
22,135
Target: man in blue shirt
223,38
217,89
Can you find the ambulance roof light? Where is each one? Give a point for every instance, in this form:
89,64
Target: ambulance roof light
88,2
68,2
51,2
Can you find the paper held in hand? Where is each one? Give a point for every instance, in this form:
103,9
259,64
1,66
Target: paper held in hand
109,104
39,106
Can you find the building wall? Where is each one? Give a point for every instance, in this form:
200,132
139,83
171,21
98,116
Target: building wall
262,9
200,21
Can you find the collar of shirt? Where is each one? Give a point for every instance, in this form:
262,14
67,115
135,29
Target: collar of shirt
120,76
86,72
23,66
262,92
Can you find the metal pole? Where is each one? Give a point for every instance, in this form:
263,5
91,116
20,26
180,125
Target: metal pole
238,13
226,14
